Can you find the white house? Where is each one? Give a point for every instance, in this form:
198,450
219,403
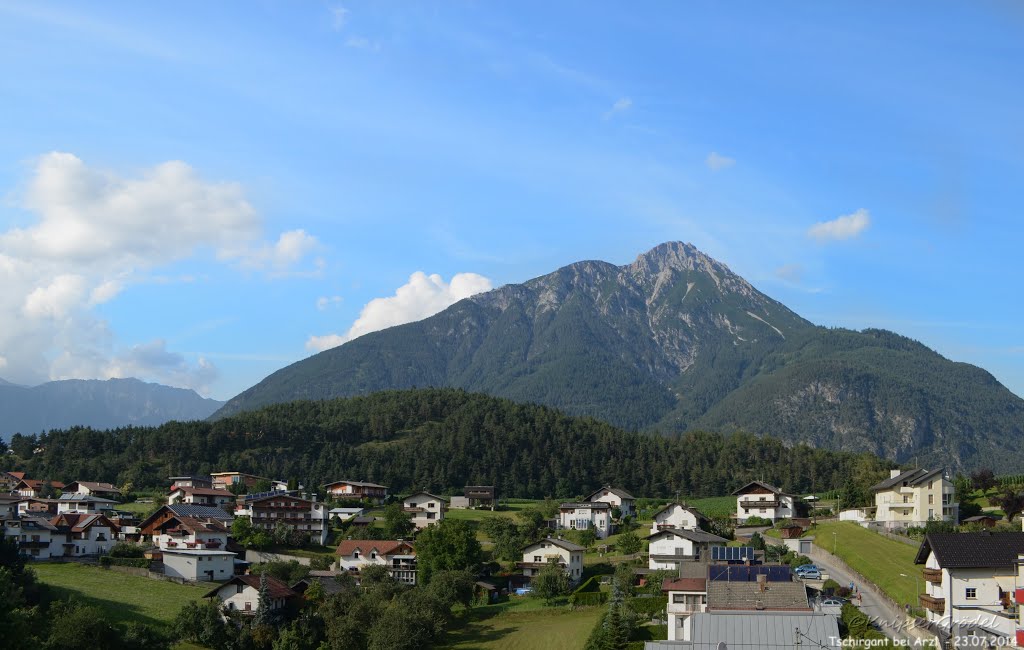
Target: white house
82,535
759,499
686,597
197,565
357,490
306,516
671,546
616,498
426,509
562,552
915,497
199,481
969,586
242,593
398,556
96,489
201,496
596,515
677,516
179,532
83,504
33,535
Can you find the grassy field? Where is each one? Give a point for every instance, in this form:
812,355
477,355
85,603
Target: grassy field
138,508
524,624
715,506
885,562
123,598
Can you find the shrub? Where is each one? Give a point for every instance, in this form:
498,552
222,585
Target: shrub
126,549
137,562
649,607
589,593
757,521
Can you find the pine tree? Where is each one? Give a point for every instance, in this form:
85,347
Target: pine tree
263,614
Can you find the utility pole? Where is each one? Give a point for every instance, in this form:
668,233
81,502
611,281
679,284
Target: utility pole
796,637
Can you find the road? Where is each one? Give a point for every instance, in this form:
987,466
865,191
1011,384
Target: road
878,610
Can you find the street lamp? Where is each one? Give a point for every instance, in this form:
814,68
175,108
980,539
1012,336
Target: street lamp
834,542
917,583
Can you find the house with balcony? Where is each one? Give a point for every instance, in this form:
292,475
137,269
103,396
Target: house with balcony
242,594
970,582
481,496
225,480
596,515
80,535
84,504
357,491
426,509
678,516
616,498
915,497
268,511
565,554
204,514
30,487
686,597
200,496
96,489
10,480
37,506
671,546
178,532
398,556
33,535
192,481
760,499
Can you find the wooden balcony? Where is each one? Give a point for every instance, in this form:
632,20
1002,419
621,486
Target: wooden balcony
933,604
933,576
754,503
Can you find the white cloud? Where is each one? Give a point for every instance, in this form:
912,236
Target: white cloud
422,296
844,227
91,233
621,105
717,162
3,362
339,16
325,302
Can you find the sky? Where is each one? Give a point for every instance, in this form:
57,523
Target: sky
200,194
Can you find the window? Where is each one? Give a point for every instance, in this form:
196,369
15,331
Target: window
430,504
971,593
906,498
931,499
355,554
678,599
239,589
373,555
537,558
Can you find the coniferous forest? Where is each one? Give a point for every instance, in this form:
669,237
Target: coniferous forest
438,440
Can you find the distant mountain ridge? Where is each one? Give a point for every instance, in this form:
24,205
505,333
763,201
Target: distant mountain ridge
676,341
96,403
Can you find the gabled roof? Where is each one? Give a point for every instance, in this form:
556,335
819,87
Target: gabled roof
685,584
382,546
767,486
561,543
622,494
693,511
17,475
36,484
748,596
275,588
80,522
426,494
75,496
980,518
200,511
972,550
203,492
94,486
699,536
357,483
194,525
913,477
37,522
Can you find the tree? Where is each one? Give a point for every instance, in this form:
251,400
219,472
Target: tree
241,530
448,546
983,479
622,581
586,537
507,537
629,543
397,522
1010,502
74,626
551,583
262,485
453,587
263,616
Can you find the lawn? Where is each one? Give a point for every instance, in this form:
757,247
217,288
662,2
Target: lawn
880,560
507,510
715,506
138,508
524,624
122,597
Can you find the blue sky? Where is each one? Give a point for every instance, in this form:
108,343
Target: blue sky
200,197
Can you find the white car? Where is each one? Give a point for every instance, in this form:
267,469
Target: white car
831,602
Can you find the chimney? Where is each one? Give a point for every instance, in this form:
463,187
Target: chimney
762,582
312,497
893,473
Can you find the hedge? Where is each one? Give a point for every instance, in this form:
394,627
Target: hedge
649,607
589,593
137,562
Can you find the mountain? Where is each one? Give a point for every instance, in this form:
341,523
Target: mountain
676,341
95,403
439,440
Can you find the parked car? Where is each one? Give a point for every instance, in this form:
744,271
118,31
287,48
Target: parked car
806,567
831,602
810,574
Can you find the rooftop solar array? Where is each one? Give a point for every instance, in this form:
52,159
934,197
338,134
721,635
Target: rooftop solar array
741,573
732,553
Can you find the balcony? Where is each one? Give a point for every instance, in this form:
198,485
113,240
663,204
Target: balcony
933,604
754,503
933,576
686,608
539,565
33,544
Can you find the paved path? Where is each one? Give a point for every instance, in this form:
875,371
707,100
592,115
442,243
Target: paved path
878,610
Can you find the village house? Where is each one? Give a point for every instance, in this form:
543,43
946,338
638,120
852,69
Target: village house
242,593
345,514
37,506
201,496
677,516
759,499
969,586
30,487
198,565
567,555
669,547
686,597
9,505
178,532
33,535
84,504
587,515
191,481
105,490
915,497
616,498
357,490
426,509
308,517
743,629
326,579
225,480
481,496
398,556
150,528
9,481
81,535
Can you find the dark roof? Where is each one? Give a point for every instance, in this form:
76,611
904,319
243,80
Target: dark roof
325,578
359,483
693,511
426,494
776,596
562,543
200,512
275,588
972,550
698,536
622,494
684,584
981,518
767,486
911,476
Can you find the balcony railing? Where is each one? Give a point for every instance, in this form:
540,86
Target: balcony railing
933,604
686,608
753,503
933,576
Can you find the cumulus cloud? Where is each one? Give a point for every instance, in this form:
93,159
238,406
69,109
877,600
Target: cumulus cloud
845,227
92,232
422,296
154,358
323,303
717,162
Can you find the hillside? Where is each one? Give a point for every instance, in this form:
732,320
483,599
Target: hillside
95,403
441,440
676,341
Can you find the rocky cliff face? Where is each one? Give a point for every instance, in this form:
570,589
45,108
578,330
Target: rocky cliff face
676,341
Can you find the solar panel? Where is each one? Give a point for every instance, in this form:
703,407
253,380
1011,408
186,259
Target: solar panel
732,553
743,573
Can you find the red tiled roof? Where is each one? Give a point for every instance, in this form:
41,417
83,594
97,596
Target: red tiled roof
80,522
194,525
17,475
382,546
275,588
35,484
684,584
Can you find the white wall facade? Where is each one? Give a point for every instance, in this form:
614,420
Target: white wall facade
982,608
197,566
674,516
581,516
776,506
544,552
